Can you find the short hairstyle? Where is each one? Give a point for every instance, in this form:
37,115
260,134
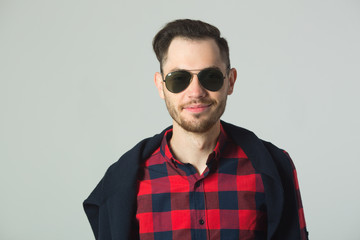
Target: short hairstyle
191,29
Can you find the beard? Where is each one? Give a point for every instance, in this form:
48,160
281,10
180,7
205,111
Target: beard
198,123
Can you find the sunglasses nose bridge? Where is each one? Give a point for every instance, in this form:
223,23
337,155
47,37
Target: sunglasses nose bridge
192,76
195,84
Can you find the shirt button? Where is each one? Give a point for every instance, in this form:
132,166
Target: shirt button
201,222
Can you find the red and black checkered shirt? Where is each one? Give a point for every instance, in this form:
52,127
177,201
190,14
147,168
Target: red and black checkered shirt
226,202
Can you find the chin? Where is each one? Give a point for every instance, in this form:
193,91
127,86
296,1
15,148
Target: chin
197,126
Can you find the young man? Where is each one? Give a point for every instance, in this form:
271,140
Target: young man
202,178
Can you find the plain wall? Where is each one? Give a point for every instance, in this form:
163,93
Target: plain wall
77,91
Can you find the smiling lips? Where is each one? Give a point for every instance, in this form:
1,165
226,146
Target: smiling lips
197,108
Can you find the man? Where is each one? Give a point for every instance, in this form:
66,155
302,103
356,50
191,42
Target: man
202,178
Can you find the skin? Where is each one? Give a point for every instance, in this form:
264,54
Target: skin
195,111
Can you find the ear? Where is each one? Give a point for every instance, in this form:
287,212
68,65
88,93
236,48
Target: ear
232,80
159,83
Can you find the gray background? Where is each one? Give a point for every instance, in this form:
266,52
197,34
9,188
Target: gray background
76,92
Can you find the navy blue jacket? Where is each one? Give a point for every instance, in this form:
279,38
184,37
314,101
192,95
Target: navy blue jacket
111,207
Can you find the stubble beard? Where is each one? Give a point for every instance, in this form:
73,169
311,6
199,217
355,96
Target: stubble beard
196,124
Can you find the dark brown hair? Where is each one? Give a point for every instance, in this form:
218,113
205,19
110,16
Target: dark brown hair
191,29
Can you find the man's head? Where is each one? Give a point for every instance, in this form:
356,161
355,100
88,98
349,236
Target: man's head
188,29
199,74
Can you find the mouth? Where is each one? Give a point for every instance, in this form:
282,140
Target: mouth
197,108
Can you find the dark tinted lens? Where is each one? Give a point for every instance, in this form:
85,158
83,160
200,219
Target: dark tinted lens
212,79
177,81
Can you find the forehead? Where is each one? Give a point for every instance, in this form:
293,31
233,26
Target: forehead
190,54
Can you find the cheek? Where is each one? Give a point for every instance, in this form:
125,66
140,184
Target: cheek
170,98
219,96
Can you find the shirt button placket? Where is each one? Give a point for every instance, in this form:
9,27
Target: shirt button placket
200,208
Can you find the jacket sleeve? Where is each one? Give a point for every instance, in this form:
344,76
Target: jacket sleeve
292,222
302,223
110,207
96,213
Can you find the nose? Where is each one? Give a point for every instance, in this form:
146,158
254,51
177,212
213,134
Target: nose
195,89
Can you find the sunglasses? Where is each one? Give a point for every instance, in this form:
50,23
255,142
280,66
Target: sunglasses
211,79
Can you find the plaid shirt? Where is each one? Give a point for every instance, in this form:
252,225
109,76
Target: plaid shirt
226,202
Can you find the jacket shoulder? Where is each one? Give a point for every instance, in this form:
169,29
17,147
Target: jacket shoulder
117,191
124,170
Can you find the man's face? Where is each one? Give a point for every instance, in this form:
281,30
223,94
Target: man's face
195,109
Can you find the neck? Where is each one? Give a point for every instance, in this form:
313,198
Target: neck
192,147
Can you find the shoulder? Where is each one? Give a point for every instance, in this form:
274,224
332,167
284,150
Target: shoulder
280,156
140,151
264,155
122,174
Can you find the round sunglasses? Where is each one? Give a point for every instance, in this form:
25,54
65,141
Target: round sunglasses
211,79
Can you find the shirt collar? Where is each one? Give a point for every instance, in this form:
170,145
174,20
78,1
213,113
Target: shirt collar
214,155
